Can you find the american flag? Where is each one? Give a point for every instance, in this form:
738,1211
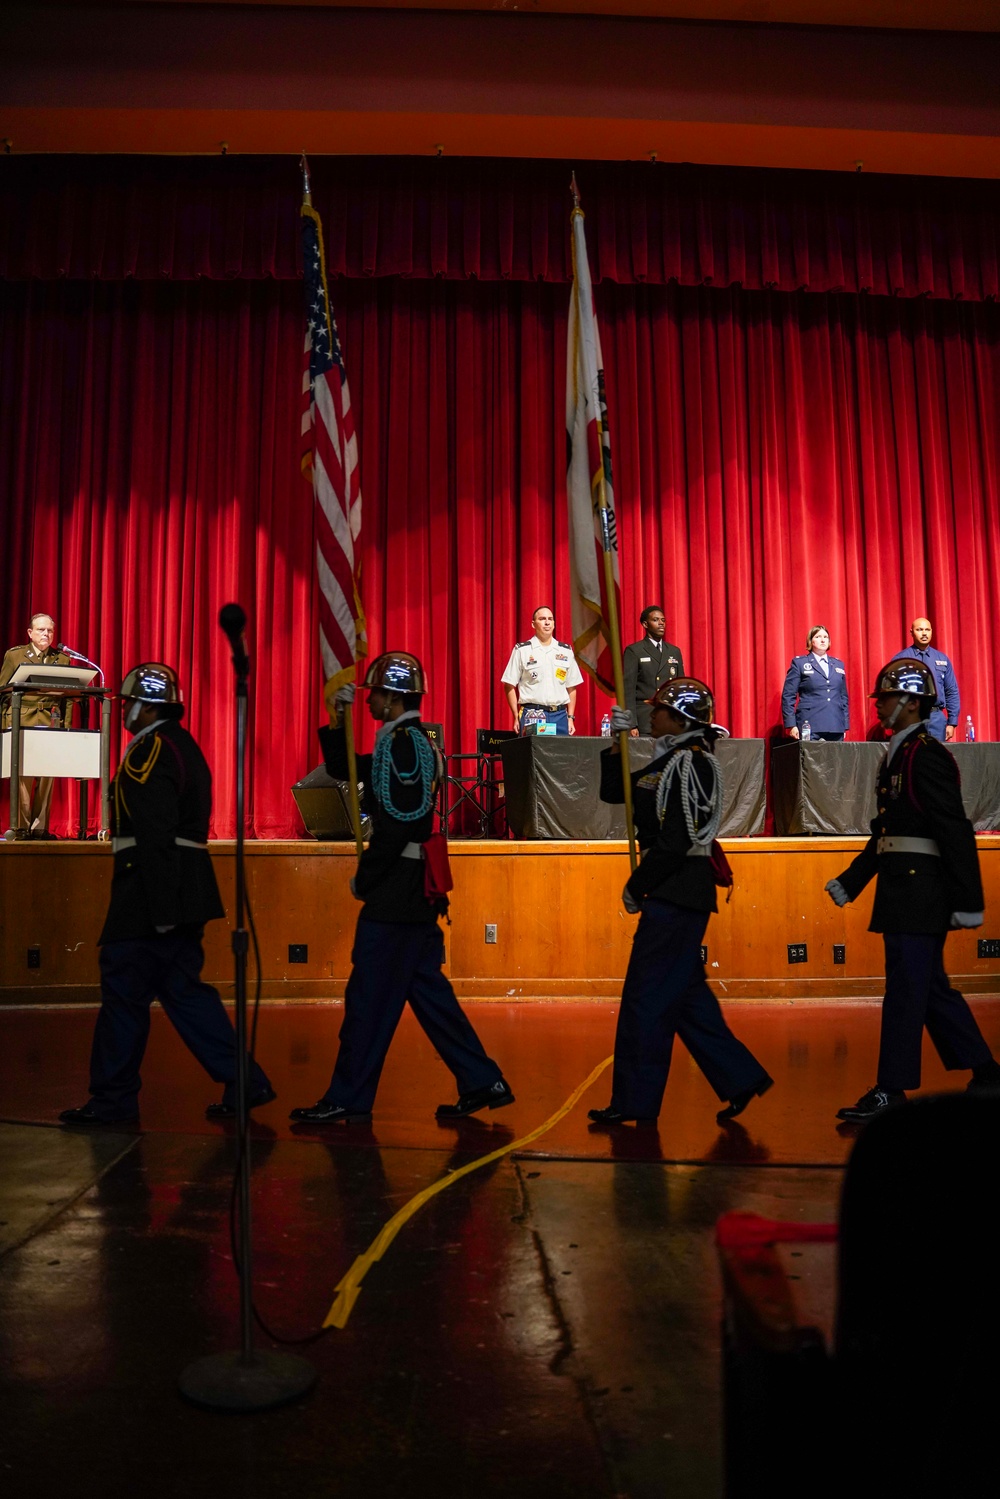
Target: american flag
330,465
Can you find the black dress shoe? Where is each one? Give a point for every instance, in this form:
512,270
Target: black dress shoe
256,1100
875,1101
328,1113
496,1096
739,1101
611,1115
87,1117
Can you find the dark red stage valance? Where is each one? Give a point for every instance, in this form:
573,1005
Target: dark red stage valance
152,218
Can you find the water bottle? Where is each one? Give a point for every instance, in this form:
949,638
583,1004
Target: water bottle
806,733
606,726
970,729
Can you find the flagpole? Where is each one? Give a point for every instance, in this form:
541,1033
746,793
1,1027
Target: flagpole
347,716
615,642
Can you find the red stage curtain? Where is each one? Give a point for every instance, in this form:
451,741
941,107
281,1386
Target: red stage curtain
161,218
781,460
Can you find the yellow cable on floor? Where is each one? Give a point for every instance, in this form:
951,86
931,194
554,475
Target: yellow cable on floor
349,1288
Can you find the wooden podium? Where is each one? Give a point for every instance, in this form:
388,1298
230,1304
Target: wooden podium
82,755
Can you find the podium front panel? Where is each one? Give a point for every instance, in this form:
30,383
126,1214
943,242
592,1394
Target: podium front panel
74,753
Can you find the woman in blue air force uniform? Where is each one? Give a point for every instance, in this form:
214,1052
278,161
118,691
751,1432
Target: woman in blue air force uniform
815,691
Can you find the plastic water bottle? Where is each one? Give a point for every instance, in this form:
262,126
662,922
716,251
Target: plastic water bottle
970,729
806,733
606,726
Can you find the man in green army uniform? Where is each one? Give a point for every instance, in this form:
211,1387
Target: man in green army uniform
37,712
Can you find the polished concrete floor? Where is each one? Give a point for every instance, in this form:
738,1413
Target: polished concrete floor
546,1326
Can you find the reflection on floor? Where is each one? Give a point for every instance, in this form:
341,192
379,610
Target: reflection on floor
547,1326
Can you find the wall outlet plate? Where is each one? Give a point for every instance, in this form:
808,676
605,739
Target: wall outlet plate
987,947
704,953
491,932
34,957
839,952
798,952
298,952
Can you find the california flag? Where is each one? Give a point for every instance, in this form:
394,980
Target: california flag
592,530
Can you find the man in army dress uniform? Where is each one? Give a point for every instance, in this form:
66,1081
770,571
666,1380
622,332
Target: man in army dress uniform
923,855
649,663
677,801
541,678
36,713
398,946
163,890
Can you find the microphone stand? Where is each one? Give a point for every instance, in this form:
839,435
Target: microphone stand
250,1379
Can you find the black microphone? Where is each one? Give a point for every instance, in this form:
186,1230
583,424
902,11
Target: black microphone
63,649
233,621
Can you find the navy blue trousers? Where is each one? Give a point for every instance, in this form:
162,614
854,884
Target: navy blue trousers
666,995
133,974
917,993
393,963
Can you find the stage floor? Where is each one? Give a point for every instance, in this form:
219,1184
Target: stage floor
548,1325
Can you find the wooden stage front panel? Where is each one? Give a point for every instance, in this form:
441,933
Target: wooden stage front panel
561,928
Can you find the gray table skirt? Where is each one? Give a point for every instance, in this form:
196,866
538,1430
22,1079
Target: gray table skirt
551,785
821,787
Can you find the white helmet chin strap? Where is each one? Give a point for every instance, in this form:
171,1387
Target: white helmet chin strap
904,698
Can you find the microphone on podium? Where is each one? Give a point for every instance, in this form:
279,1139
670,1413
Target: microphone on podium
233,621
63,649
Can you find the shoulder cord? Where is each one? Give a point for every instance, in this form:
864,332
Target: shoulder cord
693,800
141,774
384,769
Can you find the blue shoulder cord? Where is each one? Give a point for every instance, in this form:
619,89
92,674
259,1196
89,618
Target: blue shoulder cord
384,769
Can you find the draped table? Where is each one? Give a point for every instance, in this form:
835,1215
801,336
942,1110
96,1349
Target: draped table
552,785
821,787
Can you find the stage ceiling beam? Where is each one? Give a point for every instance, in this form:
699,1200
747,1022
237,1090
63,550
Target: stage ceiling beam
180,79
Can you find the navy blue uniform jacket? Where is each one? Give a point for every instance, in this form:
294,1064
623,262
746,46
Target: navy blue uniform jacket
162,792
824,703
391,887
919,795
665,870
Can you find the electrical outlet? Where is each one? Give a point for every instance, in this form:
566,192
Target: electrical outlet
298,952
34,957
839,952
987,947
704,953
798,952
491,932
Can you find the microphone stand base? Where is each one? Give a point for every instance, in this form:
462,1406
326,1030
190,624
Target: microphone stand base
235,1382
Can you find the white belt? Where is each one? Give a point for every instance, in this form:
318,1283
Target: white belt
700,851
909,846
117,844
412,851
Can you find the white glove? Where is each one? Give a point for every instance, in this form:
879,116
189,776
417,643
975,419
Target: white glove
345,694
622,720
837,893
630,903
163,930
967,918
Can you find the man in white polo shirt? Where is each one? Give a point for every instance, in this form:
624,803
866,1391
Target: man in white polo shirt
541,678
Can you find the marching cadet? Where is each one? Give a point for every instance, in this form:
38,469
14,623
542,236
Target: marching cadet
541,678
398,945
922,852
36,713
677,802
163,890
